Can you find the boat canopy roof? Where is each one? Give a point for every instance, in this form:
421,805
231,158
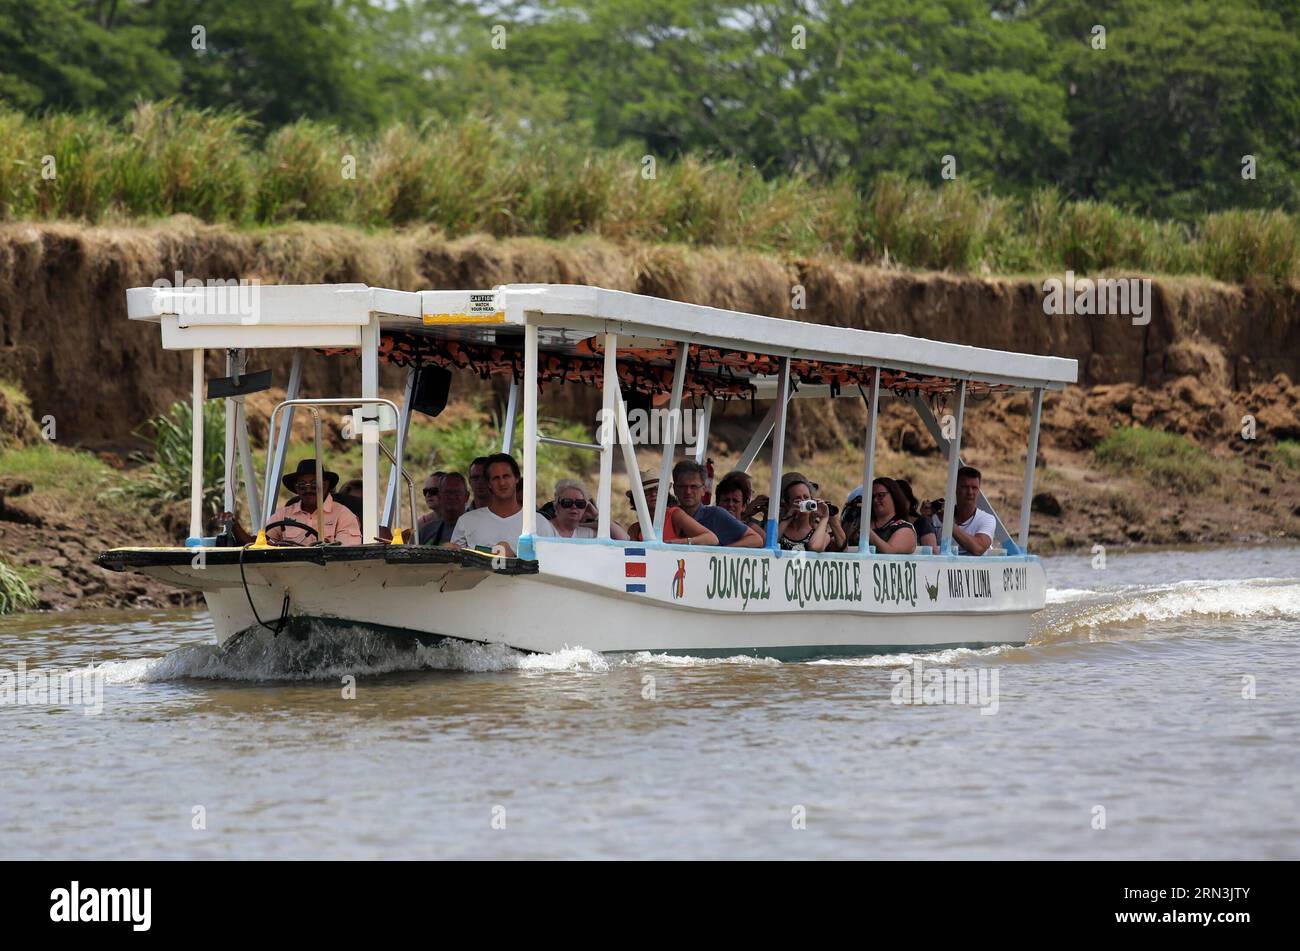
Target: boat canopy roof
732,353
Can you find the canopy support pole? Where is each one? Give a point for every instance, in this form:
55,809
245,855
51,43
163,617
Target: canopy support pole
508,428
702,432
1001,536
237,442
246,456
671,436
634,475
758,439
530,439
1026,500
399,452
228,461
609,393
954,460
275,460
196,449
370,431
869,466
778,452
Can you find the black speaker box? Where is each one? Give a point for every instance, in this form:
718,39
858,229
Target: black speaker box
432,386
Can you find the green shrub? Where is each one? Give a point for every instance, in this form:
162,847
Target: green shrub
1287,452
1163,460
15,595
164,474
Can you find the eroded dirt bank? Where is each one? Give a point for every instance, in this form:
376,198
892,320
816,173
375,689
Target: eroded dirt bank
65,339
1210,355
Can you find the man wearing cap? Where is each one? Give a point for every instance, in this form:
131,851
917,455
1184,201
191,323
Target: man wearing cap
340,525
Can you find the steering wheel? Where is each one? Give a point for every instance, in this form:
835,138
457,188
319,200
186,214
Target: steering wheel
294,523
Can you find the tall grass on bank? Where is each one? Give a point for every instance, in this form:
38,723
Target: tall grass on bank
480,175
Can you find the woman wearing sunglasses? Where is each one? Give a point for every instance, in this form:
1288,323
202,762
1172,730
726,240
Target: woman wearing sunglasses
575,516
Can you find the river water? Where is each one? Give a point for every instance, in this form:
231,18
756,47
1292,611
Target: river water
1153,715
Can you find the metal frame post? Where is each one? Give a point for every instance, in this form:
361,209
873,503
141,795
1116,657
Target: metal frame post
702,433
370,432
869,466
778,451
609,393
670,438
229,463
508,428
634,475
1001,537
246,457
399,451
276,468
1030,461
196,447
529,385
954,461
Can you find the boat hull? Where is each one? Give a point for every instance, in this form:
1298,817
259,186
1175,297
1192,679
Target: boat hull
624,598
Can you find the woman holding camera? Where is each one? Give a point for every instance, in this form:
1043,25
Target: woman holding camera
805,521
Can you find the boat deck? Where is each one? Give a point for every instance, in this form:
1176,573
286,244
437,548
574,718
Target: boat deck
129,559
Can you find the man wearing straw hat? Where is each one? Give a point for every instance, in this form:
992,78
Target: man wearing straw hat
340,525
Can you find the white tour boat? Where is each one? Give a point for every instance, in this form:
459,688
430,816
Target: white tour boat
600,593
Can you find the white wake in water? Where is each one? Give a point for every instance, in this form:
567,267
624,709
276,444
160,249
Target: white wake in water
1151,611
335,652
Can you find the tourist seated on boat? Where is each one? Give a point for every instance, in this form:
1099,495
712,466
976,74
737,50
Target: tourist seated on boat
734,493
349,494
890,532
432,489
340,525
478,483
679,528
804,521
575,514
501,521
851,518
689,478
839,538
925,533
453,496
972,527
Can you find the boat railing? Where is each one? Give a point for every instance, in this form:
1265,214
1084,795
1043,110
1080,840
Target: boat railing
410,486
312,406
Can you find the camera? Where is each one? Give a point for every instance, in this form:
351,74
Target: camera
807,505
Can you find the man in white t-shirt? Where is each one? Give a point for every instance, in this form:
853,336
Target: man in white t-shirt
972,527
501,521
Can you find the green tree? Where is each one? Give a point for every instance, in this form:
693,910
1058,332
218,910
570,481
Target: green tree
1161,118
863,86
280,61
59,54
